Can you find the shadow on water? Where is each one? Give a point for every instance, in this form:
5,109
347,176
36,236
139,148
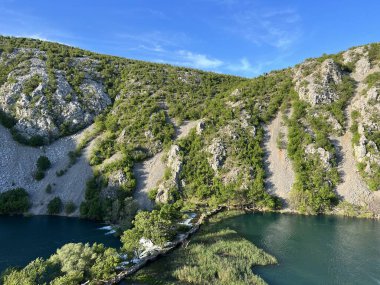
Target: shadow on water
23,239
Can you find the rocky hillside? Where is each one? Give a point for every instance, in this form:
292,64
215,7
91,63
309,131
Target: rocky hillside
325,111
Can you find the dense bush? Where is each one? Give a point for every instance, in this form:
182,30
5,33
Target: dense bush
15,201
43,163
49,189
313,189
31,84
70,207
157,225
7,120
74,263
39,175
55,206
93,207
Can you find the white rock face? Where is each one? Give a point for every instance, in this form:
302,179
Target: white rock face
218,151
117,179
317,87
40,114
323,154
359,57
200,127
368,107
174,163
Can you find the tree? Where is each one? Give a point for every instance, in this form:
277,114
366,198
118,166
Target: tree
55,206
43,163
15,201
158,226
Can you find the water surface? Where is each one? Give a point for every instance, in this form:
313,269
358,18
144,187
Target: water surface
23,239
314,250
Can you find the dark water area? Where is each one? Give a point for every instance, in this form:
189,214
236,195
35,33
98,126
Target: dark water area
23,239
313,249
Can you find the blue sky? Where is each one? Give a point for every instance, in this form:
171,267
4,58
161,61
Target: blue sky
237,37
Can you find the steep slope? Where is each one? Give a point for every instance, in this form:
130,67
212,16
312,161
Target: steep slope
280,173
37,94
243,151
332,86
354,187
49,91
18,164
151,171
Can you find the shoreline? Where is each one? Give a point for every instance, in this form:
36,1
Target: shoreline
203,218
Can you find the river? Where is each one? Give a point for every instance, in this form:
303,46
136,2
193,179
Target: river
310,249
314,249
23,239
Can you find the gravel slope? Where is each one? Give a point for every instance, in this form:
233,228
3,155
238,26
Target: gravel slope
280,174
149,172
353,189
18,162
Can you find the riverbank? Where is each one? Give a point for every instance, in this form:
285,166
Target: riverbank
214,255
345,249
184,239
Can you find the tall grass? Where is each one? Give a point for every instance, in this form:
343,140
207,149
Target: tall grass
213,256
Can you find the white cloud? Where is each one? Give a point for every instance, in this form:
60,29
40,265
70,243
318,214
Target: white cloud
244,67
277,28
199,60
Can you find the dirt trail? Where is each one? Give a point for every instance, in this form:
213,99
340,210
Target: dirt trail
149,172
280,174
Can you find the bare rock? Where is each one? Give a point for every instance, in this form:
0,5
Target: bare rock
218,151
45,112
236,92
200,127
323,154
317,87
173,183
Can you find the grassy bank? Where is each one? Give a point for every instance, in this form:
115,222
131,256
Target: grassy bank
215,255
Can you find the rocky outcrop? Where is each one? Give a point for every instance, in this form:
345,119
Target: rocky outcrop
358,57
368,121
200,127
174,165
322,154
218,152
315,82
46,111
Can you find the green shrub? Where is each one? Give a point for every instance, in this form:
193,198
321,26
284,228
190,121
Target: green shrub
43,163
61,172
15,201
7,120
70,207
373,79
55,206
74,263
152,194
36,141
31,84
39,175
49,189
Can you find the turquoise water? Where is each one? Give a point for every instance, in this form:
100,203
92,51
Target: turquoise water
310,250
314,250
23,239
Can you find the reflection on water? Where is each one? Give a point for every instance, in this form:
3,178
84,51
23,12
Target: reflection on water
23,239
314,250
